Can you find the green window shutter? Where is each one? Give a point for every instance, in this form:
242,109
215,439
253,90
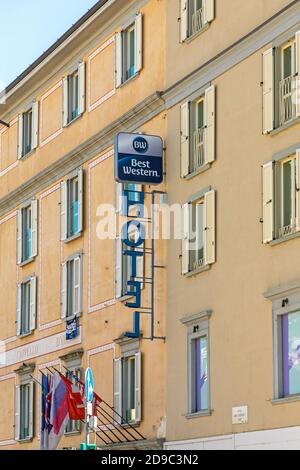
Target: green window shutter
209,116
209,227
268,202
138,42
185,138
268,90
183,20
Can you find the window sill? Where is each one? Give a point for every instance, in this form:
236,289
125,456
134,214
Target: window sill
73,237
134,77
72,433
200,414
285,126
73,120
25,441
207,267
278,241
25,335
195,35
72,317
27,155
200,170
28,261
284,401
133,424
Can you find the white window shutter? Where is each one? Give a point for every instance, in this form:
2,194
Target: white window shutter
33,302
185,238
20,137
65,113
183,20
298,73
17,412
138,42
268,202
268,91
210,126
63,210
298,189
118,60
138,387
80,200
118,390
19,309
77,294
209,10
81,87
35,125
31,409
119,196
209,227
20,236
118,268
185,139
34,225
63,291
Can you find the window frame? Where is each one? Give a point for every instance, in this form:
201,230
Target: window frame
70,287
27,140
74,426
73,96
19,415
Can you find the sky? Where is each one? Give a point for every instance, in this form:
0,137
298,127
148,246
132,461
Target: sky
29,27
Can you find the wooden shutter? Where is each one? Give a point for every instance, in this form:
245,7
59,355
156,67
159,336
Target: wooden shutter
33,298
298,189
209,227
81,87
80,200
34,225
298,73
19,309
65,113
138,42
118,390
63,210
17,412
118,268
20,136
185,139
118,60
35,125
77,294
268,91
268,202
209,10
138,387
185,238
183,20
20,236
63,290
31,410
209,114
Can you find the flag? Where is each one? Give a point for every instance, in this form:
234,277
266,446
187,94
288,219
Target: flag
81,390
59,416
46,410
75,400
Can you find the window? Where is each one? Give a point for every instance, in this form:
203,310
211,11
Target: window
128,51
27,232
127,388
73,426
281,203
198,244
71,206
71,288
198,133
24,406
26,307
28,131
280,84
194,16
289,353
74,94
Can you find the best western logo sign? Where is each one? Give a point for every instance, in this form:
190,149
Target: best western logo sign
138,159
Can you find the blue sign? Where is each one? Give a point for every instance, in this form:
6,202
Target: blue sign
89,385
138,159
72,329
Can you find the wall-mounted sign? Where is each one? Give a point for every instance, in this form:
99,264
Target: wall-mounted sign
138,159
240,415
72,329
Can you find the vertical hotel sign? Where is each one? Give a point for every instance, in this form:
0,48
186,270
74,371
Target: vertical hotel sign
138,160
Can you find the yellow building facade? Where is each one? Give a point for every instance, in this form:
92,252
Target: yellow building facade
217,80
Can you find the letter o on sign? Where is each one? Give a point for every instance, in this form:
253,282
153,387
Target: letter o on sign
141,233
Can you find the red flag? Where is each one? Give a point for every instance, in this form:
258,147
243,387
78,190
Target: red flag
74,400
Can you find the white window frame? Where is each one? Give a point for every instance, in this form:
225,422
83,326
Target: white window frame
22,258
28,308
74,426
66,206
30,411
69,288
33,111
68,94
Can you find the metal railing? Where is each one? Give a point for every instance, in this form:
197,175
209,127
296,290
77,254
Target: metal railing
287,88
197,21
198,263
288,230
198,154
